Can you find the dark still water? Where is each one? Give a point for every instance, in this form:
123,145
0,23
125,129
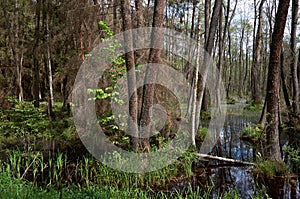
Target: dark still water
226,177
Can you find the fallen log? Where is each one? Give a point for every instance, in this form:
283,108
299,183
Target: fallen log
205,156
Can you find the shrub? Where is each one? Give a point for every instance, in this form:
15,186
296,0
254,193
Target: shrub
23,119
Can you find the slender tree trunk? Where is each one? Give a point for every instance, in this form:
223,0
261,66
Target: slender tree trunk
18,55
207,18
245,82
256,57
226,34
220,64
139,54
294,64
272,97
154,57
115,16
192,103
241,61
284,87
195,113
13,41
48,62
203,106
205,101
208,47
131,76
36,68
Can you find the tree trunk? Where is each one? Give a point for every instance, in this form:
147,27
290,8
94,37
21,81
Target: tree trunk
256,57
241,61
220,64
272,96
284,87
202,81
294,64
139,54
115,16
195,101
48,61
13,38
36,68
207,18
154,57
131,76
226,33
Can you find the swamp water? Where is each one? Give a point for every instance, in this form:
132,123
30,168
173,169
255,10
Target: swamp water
226,177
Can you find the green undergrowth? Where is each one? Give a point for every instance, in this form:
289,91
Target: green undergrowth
230,100
253,134
267,169
31,175
251,106
17,189
43,157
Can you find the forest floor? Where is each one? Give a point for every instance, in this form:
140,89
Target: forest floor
43,157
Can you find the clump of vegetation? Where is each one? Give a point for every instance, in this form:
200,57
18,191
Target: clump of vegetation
230,100
260,191
24,126
201,134
23,118
292,158
233,194
251,106
205,115
266,169
270,176
253,134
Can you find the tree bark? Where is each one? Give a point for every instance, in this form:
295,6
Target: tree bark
131,76
202,81
272,96
209,46
284,87
207,18
154,57
115,16
48,61
139,54
220,64
36,68
194,94
256,57
13,38
294,64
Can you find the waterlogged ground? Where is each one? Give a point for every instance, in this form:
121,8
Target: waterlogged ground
226,177
57,165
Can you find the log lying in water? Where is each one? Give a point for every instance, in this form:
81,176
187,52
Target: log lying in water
224,159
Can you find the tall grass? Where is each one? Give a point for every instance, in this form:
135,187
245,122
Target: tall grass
57,171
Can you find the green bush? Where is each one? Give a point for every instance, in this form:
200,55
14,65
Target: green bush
23,119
